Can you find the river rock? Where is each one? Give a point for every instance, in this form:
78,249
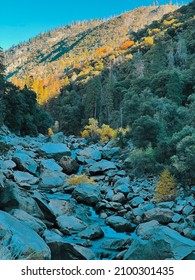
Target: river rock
90,153
101,166
87,193
70,224
22,241
25,178
119,224
13,197
43,204
119,197
160,243
32,222
144,227
25,162
51,179
61,250
50,164
56,151
69,165
61,207
116,244
57,138
163,216
136,201
92,232
7,164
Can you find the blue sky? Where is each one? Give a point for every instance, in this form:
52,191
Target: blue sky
23,19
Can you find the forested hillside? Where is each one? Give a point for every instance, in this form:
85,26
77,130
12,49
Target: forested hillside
75,53
19,109
151,92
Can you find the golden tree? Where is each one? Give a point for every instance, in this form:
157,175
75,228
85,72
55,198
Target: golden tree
165,188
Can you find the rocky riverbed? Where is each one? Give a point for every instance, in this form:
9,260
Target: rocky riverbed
43,216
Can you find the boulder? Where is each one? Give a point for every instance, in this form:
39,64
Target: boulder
87,193
61,207
101,166
116,244
43,204
119,224
25,178
61,250
56,151
51,179
13,197
51,236
160,243
90,153
70,224
57,137
144,227
163,216
119,197
92,232
136,201
32,222
7,164
25,162
22,241
50,164
69,165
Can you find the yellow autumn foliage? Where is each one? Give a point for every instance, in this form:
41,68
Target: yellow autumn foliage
148,41
50,131
77,179
165,187
103,133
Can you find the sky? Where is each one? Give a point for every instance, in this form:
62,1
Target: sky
21,20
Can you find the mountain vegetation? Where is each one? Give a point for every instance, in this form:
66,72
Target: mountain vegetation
19,109
122,76
75,53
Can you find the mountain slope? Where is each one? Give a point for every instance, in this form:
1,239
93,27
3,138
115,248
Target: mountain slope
51,55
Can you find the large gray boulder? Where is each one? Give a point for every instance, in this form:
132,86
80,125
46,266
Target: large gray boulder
50,164
25,178
32,222
101,166
51,179
25,162
119,223
21,241
87,193
162,215
160,243
61,250
54,150
13,197
61,207
90,153
70,224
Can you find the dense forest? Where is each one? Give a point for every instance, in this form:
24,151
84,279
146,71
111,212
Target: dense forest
145,84
19,109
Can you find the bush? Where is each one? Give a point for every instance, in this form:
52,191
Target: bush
165,188
77,179
93,132
143,162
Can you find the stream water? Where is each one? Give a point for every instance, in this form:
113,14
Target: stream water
109,233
